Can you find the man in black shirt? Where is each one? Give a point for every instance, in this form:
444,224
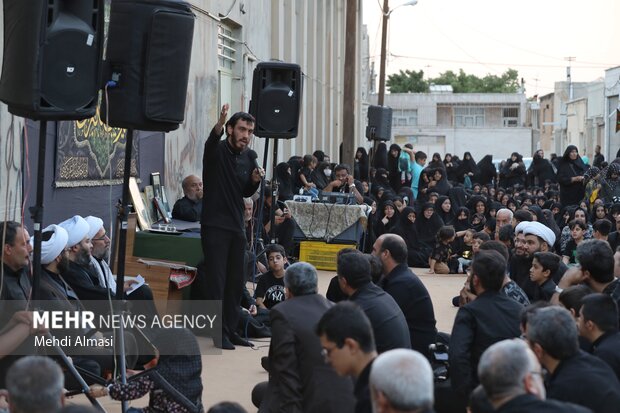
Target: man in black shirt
189,208
574,376
349,347
387,319
512,380
490,318
596,270
345,183
229,174
270,288
407,290
598,323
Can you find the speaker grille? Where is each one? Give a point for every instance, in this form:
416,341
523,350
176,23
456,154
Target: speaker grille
69,78
276,99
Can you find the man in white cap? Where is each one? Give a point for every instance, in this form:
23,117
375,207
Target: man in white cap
80,276
98,269
55,286
538,238
55,260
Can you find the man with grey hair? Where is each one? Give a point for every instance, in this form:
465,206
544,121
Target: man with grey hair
502,217
401,380
34,384
299,378
512,380
574,376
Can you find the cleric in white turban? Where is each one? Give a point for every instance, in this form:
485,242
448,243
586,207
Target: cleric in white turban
540,230
55,245
77,229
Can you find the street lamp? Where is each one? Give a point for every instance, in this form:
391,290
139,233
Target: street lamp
386,17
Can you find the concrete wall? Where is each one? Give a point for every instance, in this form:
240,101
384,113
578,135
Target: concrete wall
612,91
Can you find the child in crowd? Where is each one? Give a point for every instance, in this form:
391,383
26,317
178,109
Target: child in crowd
478,239
270,288
305,176
578,229
467,254
544,265
441,260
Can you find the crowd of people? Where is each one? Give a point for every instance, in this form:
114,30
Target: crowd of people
537,321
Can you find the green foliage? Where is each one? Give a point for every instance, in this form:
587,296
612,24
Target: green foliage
410,81
407,81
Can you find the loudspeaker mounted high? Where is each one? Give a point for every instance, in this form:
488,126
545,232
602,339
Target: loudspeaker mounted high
276,99
147,61
51,58
379,123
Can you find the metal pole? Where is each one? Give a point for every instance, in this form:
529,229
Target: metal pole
386,16
348,121
36,212
123,212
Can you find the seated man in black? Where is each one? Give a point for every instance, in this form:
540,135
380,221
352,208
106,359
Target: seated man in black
189,208
345,183
490,318
89,274
270,288
573,375
388,321
598,323
408,291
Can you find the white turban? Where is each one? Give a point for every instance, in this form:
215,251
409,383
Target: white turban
52,248
95,224
77,228
521,226
541,231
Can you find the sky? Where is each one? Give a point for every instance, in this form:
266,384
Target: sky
490,36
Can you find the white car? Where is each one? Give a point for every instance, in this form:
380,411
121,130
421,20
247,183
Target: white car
526,161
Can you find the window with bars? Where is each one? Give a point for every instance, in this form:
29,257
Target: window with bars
226,47
468,117
510,117
404,117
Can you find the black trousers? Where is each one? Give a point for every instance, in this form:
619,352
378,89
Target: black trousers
224,259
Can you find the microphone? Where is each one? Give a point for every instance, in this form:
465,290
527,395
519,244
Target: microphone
254,157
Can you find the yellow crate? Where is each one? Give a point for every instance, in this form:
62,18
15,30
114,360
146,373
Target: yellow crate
320,254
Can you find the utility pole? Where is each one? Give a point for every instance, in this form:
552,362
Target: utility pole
384,26
350,68
569,78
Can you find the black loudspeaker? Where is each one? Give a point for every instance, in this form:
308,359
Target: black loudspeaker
52,56
147,64
379,123
276,99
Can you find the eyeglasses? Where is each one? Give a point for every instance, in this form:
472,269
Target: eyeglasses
105,237
326,353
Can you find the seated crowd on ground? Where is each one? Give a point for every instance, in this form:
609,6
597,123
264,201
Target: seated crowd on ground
537,323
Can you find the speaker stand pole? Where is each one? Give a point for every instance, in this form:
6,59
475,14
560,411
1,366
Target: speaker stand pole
274,192
36,213
123,213
265,154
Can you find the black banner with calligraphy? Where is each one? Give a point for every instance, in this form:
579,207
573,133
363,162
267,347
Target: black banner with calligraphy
90,153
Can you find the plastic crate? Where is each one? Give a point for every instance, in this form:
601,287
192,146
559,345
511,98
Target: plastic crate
320,254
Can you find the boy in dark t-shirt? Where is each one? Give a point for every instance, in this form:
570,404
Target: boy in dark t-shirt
270,288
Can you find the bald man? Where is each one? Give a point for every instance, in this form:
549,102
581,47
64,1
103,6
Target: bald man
189,208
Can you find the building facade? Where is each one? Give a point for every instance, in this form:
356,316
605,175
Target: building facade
444,122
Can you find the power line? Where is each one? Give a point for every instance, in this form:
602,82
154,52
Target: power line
491,63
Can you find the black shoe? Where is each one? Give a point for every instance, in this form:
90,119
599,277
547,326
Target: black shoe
236,339
264,362
226,344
